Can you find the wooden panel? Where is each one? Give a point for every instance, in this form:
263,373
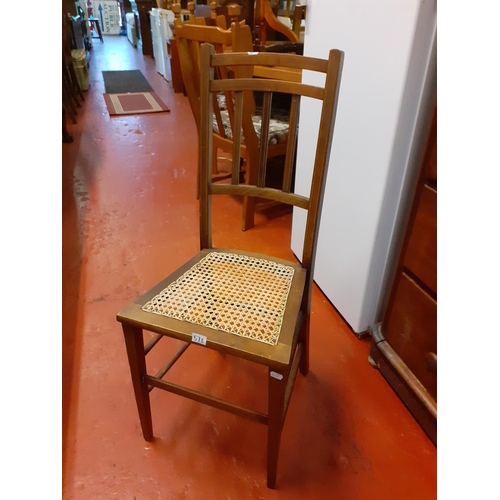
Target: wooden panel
142,8
421,254
411,331
407,386
175,66
404,346
431,169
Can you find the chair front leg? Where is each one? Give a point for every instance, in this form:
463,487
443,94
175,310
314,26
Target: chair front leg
137,361
276,408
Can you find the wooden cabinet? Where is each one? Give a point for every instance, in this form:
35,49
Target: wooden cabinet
404,345
173,66
141,9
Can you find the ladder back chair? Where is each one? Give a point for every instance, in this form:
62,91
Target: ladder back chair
252,306
238,38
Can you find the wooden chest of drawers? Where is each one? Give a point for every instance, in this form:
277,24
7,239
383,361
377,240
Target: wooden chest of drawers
404,345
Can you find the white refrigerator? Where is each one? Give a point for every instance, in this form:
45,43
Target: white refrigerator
387,92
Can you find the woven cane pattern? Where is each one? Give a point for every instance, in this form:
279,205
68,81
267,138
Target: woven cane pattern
234,293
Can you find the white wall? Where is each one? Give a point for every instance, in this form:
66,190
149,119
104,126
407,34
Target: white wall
389,61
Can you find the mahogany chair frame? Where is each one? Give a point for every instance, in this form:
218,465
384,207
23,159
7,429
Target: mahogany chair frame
291,352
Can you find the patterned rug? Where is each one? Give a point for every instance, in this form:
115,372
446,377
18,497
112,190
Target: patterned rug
134,103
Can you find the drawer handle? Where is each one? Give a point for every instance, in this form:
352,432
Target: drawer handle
431,361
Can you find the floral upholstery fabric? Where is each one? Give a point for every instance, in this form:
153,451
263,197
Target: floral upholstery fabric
278,126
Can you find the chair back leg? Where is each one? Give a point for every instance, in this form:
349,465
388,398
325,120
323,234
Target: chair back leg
304,338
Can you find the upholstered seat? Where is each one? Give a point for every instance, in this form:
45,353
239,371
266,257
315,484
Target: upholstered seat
278,126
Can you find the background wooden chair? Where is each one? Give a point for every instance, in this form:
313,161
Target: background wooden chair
189,37
291,15
225,9
269,28
211,15
248,305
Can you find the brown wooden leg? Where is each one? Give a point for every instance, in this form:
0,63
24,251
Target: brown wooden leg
251,175
137,361
275,424
99,32
74,81
198,181
304,338
248,213
215,166
70,108
70,89
67,105
66,136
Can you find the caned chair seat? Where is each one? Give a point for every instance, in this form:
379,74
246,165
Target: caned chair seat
237,294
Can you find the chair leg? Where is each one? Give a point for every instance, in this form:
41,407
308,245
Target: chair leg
67,104
304,338
66,136
248,220
74,80
99,32
275,424
215,167
71,90
249,201
137,361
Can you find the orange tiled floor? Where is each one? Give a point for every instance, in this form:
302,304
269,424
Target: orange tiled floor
129,218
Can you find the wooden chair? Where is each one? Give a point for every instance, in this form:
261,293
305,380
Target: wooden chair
189,37
225,10
210,15
293,15
248,305
266,20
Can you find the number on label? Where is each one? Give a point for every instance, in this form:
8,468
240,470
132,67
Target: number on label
199,339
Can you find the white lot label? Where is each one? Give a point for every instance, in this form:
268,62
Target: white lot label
276,375
199,339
